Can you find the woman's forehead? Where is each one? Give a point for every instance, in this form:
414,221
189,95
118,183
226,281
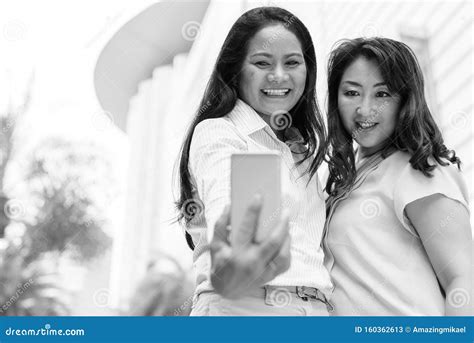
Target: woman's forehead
363,70
274,39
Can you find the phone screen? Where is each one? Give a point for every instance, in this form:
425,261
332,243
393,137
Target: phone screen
251,174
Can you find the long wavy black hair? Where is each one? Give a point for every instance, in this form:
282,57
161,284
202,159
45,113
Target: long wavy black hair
222,92
416,131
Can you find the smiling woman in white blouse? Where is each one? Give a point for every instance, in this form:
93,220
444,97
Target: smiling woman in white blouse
267,65
398,238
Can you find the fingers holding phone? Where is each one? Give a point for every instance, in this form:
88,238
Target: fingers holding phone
236,270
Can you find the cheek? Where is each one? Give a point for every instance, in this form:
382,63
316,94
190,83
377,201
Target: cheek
345,108
246,82
391,116
300,78
247,78
251,75
345,112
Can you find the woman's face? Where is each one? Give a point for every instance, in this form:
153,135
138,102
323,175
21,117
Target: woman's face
273,74
368,110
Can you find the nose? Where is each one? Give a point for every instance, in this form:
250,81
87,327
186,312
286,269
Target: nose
366,108
278,74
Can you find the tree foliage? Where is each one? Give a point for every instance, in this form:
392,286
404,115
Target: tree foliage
71,187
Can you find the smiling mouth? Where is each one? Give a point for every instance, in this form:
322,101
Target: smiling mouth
280,92
364,125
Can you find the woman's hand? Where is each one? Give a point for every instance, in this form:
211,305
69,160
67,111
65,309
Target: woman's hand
236,270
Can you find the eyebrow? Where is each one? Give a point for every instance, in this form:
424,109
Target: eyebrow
383,83
266,54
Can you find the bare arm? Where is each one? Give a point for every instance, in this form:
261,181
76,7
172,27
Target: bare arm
444,228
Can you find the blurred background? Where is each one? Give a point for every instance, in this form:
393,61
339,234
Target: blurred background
94,102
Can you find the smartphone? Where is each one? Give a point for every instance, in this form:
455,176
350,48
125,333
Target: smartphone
253,173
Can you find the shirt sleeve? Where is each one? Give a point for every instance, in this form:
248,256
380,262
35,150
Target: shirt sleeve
213,143
413,185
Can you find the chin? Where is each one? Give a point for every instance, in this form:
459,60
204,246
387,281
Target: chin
375,146
366,145
281,108
269,111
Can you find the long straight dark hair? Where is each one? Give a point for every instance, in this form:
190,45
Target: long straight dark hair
222,92
416,131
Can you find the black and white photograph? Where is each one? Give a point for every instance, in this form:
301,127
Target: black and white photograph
236,158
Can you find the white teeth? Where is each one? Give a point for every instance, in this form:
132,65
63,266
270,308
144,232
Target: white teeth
366,125
276,92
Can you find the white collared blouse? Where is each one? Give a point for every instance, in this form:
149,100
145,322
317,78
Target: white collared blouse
243,130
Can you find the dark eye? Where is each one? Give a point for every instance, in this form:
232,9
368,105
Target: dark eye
382,94
293,63
351,93
262,64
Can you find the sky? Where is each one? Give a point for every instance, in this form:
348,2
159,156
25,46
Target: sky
59,42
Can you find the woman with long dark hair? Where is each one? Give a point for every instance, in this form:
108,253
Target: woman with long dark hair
266,69
398,238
